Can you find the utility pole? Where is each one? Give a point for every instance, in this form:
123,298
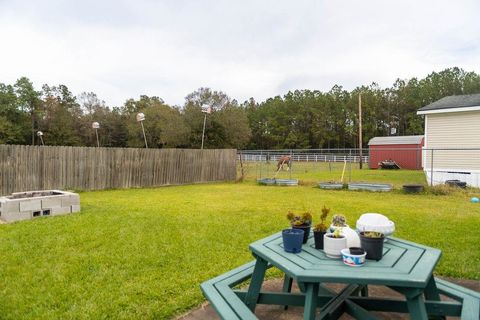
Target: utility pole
203,131
33,123
360,144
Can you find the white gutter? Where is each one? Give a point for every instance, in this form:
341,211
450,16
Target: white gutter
449,110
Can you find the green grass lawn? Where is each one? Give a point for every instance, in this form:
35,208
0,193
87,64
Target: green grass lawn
311,173
142,253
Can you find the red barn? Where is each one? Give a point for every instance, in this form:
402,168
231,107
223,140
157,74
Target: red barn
406,151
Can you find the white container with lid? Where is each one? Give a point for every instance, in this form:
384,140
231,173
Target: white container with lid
375,222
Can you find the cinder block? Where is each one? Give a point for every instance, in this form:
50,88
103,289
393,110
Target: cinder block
17,195
30,205
12,206
52,202
17,216
60,210
76,198
70,200
75,208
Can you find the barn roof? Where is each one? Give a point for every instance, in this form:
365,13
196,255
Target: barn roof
395,140
462,101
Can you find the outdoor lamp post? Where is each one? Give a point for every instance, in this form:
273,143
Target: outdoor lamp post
141,118
96,126
206,109
40,135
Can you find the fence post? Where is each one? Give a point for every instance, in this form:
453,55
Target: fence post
241,167
291,163
261,164
431,169
350,165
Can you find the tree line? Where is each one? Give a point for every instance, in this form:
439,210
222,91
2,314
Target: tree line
298,119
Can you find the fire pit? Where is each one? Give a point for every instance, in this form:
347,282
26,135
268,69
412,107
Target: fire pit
31,204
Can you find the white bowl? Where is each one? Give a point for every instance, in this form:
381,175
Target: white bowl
353,260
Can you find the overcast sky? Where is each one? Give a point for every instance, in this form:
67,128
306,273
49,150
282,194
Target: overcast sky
122,49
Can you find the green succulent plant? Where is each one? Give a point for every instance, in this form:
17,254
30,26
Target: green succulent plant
339,220
373,234
337,233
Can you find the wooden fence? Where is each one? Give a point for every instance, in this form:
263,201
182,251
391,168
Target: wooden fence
24,168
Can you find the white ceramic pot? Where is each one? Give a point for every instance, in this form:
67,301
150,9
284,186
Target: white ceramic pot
333,246
353,240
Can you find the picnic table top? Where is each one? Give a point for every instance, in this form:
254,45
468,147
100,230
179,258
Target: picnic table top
404,263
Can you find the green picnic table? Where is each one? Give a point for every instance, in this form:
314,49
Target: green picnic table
406,267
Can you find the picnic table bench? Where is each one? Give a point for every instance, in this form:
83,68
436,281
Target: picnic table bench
406,267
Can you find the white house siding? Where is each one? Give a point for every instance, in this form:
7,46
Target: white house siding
453,130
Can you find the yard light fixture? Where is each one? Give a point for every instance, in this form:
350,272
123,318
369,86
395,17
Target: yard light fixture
206,109
96,126
40,135
141,118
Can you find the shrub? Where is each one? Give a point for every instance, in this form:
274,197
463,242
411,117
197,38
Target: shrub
299,220
322,227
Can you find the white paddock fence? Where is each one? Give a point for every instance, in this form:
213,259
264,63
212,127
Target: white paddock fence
320,155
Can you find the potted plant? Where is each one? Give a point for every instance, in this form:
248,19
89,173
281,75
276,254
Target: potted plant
338,221
372,243
292,240
321,228
334,243
303,221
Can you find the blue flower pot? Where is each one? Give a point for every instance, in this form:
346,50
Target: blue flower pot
292,240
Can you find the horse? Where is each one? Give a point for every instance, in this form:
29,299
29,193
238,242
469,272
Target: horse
284,160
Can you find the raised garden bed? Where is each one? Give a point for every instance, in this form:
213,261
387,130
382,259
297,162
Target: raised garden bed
330,185
287,182
32,204
266,181
278,182
376,187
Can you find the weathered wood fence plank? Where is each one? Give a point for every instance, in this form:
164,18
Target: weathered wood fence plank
24,168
